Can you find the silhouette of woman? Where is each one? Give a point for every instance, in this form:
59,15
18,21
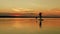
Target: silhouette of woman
40,19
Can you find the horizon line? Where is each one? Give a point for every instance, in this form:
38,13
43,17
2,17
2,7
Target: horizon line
26,17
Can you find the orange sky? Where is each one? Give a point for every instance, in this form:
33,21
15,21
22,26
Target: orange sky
55,11
47,7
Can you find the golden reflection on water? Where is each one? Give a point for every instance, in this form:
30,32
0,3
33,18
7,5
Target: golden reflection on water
24,25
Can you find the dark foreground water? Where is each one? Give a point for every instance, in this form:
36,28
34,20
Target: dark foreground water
29,26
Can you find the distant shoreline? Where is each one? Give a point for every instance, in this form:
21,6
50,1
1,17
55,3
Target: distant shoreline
25,17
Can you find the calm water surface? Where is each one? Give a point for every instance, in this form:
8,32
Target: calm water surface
29,26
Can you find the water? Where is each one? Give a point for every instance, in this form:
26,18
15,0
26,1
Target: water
29,26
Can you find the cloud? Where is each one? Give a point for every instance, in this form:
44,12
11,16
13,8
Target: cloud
53,12
15,9
22,10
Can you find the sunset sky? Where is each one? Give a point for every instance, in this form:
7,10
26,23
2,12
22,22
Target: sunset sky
34,4
50,6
